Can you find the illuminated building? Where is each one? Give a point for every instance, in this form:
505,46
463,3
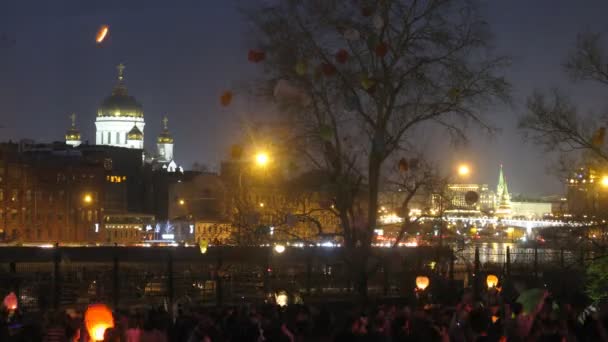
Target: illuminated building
586,193
117,116
503,199
72,135
49,193
164,144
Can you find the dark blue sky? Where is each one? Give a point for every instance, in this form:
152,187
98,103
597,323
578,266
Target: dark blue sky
182,54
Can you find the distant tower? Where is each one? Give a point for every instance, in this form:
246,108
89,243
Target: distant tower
116,115
72,135
503,199
135,138
164,143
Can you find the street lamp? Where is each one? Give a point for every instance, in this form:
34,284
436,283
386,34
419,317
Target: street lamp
181,202
279,249
262,159
87,198
605,181
463,170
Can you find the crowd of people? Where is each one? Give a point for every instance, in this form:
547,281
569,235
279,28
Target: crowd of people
467,320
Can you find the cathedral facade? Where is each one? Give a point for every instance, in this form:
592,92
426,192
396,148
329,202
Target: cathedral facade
120,122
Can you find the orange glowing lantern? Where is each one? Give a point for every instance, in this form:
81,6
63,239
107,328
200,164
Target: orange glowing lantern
422,282
97,319
102,33
10,301
492,281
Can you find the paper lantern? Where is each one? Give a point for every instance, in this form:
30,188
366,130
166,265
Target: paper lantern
381,49
454,93
328,69
301,68
281,298
202,245
403,165
367,83
492,281
422,282
342,56
367,11
256,56
97,319
378,22
352,34
102,33
10,301
226,98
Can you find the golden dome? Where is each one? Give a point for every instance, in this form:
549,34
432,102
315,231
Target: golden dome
120,104
165,136
135,134
72,133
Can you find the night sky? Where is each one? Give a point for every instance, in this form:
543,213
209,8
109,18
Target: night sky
180,56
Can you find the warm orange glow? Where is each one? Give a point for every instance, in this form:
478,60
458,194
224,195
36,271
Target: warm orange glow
422,282
97,319
605,181
262,159
87,198
464,170
492,281
10,301
102,33
182,202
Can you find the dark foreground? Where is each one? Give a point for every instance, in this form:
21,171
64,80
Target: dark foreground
489,319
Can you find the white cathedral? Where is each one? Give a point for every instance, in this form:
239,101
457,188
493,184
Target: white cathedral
120,122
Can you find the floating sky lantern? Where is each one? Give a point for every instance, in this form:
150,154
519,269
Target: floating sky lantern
226,98
10,301
492,281
342,56
256,56
381,49
422,282
281,298
202,245
102,33
97,319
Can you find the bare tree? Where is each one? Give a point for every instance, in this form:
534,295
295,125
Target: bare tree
553,121
356,80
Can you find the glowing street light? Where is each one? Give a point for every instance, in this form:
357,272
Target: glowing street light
181,202
262,159
605,181
463,170
279,249
87,198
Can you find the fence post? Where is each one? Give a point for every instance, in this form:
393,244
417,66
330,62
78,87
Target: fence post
170,281
14,278
452,264
267,271
535,261
385,280
115,288
508,268
308,271
218,278
476,273
56,276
